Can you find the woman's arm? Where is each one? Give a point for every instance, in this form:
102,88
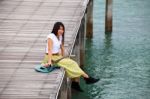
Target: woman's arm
50,45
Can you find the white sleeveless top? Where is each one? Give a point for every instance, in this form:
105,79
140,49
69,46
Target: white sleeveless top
56,43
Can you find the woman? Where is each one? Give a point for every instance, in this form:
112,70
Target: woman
55,51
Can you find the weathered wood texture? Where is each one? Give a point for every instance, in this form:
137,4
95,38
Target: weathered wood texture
24,25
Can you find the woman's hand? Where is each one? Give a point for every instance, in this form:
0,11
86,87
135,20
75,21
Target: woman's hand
47,64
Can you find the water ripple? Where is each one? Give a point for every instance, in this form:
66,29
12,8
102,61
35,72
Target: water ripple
120,60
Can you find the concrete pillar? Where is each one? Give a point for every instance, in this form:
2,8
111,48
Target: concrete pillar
108,16
89,20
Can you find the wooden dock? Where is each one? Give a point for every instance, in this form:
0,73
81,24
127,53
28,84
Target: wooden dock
24,25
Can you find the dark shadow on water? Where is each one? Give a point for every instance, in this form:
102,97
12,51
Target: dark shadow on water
106,62
106,53
108,41
77,95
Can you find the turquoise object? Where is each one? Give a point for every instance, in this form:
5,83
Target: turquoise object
43,69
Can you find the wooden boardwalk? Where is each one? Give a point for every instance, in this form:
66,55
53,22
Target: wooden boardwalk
24,25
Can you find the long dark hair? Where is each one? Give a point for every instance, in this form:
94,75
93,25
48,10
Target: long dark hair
57,27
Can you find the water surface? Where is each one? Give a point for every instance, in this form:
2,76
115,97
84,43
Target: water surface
121,59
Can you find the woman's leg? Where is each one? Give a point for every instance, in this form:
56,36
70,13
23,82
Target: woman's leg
85,75
73,70
76,84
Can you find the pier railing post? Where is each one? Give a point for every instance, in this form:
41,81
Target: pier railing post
89,20
108,16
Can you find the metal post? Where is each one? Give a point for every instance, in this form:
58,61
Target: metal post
108,16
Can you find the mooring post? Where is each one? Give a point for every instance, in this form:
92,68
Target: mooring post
89,20
108,16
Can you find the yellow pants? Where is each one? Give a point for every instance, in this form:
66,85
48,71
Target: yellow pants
71,67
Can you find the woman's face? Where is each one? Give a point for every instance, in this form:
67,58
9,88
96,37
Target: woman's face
60,31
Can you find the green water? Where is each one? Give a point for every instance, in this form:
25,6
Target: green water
120,60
